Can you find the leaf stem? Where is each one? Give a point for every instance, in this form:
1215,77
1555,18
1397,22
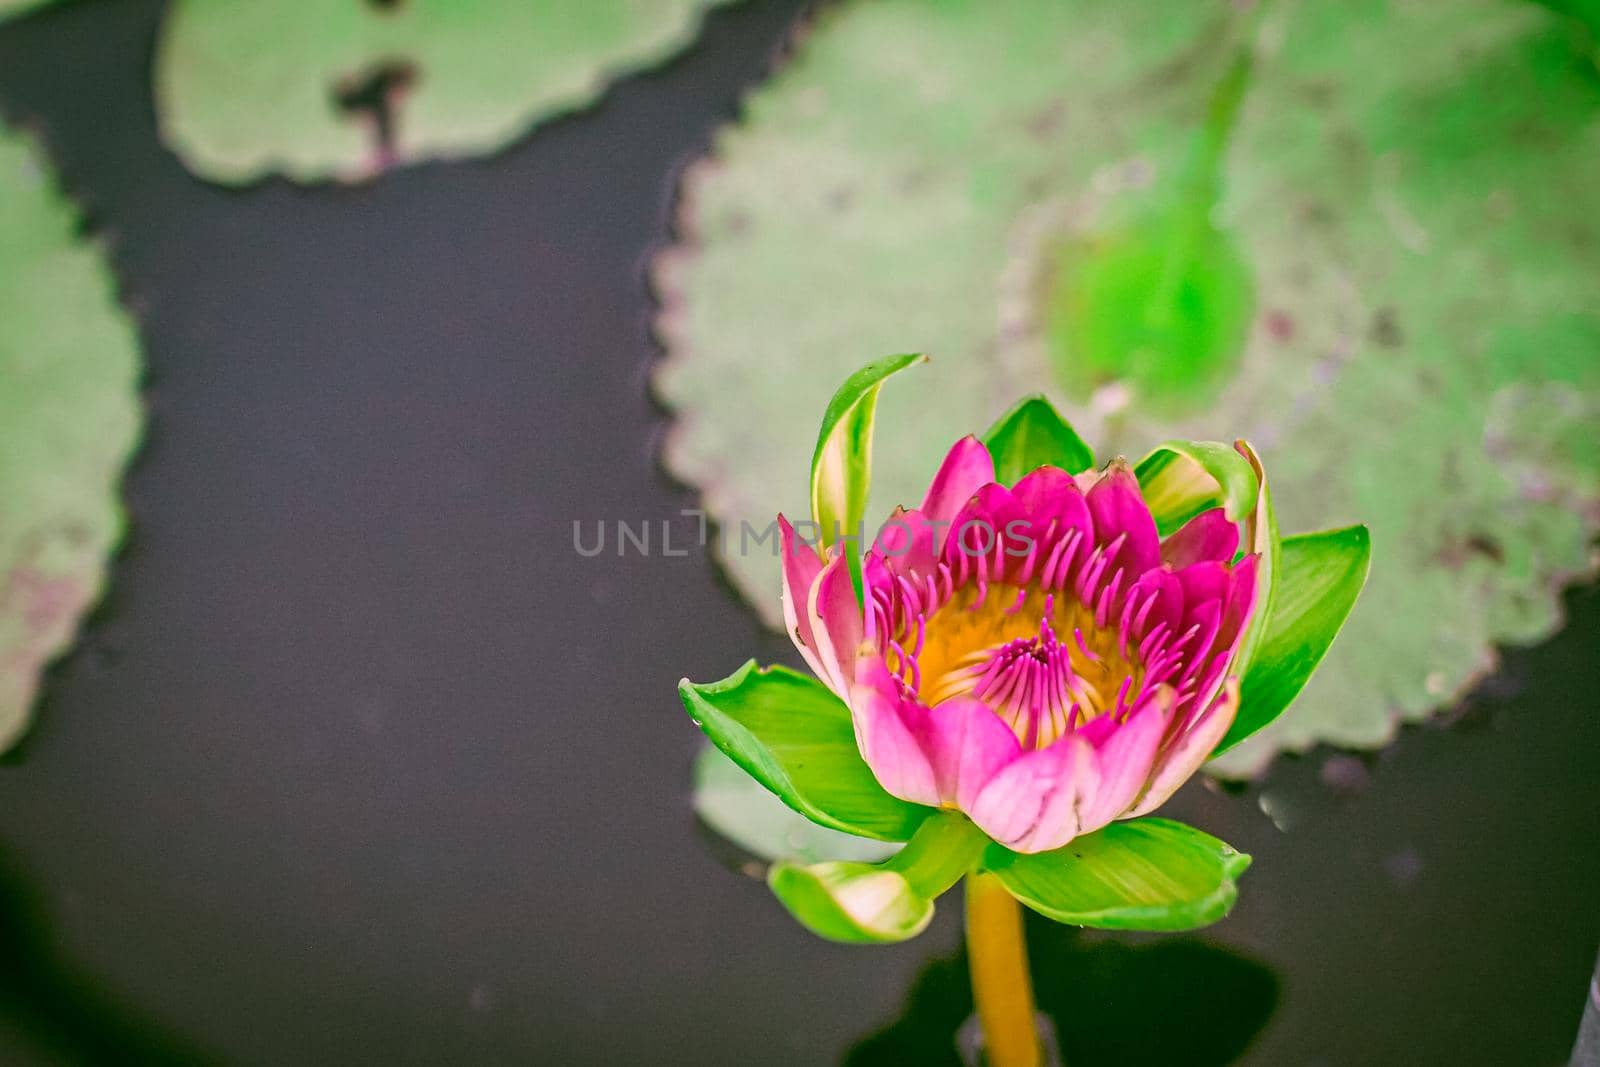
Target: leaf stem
1200,186
1001,987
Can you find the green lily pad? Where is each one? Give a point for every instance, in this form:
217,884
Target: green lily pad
744,812
1398,198
342,90
69,417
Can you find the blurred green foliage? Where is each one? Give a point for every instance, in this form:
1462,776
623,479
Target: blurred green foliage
1383,274
343,89
69,417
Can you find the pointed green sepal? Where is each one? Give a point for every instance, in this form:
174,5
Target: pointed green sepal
791,734
841,466
1320,575
861,903
1180,479
1144,874
1261,538
1031,435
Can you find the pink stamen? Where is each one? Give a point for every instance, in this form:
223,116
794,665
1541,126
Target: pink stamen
1049,578
1144,612
982,583
1108,600
1151,639
902,661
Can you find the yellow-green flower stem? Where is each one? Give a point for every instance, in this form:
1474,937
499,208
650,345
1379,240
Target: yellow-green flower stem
1002,990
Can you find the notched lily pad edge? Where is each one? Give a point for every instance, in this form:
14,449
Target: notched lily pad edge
93,239
269,167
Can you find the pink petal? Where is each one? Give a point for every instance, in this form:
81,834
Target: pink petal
1050,493
987,536
1209,674
1125,760
1203,583
837,626
1156,598
1205,593
968,744
966,468
801,565
1197,650
1054,507
1210,535
879,711
1184,754
1118,508
909,544
1033,803
1241,601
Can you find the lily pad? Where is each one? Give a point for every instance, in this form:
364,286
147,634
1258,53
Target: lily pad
1393,211
343,89
740,809
69,417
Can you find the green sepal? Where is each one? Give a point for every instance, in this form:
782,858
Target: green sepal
791,734
759,826
841,466
1260,538
1180,479
863,903
855,903
1031,435
1143,874
1320,575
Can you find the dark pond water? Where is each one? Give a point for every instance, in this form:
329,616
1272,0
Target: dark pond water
361,764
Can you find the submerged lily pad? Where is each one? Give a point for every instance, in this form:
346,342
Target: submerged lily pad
1375,259
345,88
738,808
69,417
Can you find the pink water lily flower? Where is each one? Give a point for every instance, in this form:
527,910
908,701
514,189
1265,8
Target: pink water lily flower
1036,657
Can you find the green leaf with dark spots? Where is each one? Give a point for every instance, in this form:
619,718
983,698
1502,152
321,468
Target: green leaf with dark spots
343,90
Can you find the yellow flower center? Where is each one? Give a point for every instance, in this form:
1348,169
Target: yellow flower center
1038,659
